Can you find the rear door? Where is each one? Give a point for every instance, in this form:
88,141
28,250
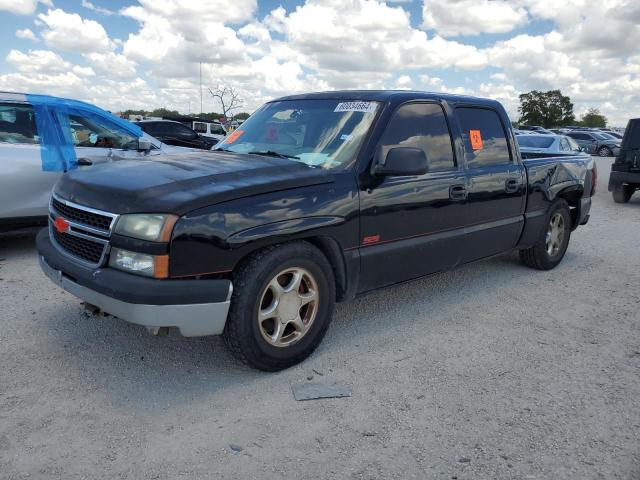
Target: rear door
495,184
411,226
24,187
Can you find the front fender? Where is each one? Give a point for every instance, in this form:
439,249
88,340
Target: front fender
284,228
213,240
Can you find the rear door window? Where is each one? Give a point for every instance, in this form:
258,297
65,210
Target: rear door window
423,126
484,137
217,130
18,124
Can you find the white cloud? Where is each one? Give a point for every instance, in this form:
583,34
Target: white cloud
26,34
589,51
22,7
70,32
112,64
472,17
90,6
37,61
365,35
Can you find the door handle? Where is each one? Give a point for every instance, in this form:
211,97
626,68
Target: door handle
83,162
457,192
511,185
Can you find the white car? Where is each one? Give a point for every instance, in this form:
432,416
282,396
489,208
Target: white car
210,129
41,137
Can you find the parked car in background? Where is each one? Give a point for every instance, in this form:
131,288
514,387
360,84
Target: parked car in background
176,133
548,144
614,134
524,132
596,143
534,128
35,130
559,131
213,130
382,187
625,171
610,135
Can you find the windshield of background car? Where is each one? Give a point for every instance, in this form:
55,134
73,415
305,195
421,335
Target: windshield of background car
534,141
601,136
608,136
319,133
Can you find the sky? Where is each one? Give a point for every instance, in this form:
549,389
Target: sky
144,54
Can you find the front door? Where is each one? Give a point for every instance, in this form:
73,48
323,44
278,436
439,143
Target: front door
411,226
95,138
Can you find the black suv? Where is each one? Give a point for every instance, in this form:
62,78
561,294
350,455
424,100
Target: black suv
625,171
176,133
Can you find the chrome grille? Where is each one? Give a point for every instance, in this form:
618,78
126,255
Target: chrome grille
89,218
83,248
86,239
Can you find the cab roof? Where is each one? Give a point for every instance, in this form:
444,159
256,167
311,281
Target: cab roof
394,96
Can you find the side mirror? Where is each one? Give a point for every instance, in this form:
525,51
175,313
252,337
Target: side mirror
403,161
144,145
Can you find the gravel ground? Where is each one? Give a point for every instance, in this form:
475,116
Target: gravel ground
490,371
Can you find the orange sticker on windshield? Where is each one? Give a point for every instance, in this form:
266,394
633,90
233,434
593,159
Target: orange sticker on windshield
476,139
234,136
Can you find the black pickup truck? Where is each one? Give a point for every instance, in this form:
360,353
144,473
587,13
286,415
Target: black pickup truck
625,170
315,199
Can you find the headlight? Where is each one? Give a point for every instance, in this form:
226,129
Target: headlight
140,263
152,227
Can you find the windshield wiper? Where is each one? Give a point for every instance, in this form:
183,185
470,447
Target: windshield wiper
272,153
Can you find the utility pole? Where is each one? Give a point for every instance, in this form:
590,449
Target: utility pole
200,88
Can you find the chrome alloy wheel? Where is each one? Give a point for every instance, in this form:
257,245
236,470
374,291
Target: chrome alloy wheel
288,306
555,234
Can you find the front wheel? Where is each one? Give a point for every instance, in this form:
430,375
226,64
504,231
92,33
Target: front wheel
605,152
282,304
623,193
552,244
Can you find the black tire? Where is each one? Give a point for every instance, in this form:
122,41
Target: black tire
605,152
623,193
242,332
538,256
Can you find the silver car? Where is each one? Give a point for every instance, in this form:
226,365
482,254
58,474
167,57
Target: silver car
552,144
36,129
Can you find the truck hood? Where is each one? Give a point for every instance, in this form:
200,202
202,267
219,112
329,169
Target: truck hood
182,183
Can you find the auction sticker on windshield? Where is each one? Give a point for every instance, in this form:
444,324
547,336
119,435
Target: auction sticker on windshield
234,136
366,107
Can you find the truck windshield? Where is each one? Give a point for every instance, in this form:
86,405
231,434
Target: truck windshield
320,133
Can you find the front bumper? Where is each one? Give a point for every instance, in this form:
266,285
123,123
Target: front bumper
195,307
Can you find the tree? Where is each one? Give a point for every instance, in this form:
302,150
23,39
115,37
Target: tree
163,112
229,99
547,109
593,118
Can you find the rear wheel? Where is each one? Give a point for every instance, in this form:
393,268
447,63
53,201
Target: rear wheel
552,244
282,305
605,152
623,193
